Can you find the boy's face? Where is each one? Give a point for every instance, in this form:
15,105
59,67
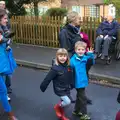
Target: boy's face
80,51
62,58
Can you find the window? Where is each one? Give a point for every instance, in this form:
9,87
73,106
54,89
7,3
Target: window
76,8
111,10
42,9
92,11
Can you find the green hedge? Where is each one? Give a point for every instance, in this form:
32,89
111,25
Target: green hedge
56,12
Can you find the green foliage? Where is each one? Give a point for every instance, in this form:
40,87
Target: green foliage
56,12
106,1
116,3
16,6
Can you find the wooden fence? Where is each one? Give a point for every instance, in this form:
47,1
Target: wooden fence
44,31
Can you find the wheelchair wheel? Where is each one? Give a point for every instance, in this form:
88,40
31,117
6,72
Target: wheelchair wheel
117,50
118,55
109,60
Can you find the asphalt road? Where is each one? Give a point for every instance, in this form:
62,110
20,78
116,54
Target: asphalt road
29,103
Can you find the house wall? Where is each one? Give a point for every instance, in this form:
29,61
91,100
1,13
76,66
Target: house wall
69,3
50,3
103,10
42,6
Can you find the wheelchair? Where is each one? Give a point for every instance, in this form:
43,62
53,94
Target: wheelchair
114,50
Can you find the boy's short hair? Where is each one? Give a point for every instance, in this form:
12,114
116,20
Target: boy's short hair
2,2
72,16
80,44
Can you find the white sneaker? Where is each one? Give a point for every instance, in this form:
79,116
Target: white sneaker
8,98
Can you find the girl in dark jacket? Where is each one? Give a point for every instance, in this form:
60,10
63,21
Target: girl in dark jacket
62,76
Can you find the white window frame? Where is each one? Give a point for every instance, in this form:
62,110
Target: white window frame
76,9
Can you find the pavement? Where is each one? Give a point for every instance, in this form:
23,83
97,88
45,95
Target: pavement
29,103
41,58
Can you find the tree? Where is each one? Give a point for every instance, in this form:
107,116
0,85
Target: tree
116,3
16,6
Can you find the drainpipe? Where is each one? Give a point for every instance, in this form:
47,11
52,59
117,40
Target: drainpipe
84,10
103,10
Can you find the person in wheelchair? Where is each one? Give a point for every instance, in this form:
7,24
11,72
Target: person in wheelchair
106,33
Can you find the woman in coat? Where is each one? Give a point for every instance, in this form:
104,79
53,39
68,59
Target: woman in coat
6,66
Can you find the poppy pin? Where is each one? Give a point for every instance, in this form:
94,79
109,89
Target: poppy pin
69,69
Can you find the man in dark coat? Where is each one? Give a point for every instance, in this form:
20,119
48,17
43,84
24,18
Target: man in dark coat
106,32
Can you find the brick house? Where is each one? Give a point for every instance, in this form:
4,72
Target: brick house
90,8
43,6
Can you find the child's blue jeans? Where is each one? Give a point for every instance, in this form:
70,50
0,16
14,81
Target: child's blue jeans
65,101
3,95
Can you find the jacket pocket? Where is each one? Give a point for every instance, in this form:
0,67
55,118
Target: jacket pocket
60,73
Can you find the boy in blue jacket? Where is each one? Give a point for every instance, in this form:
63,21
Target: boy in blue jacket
78,63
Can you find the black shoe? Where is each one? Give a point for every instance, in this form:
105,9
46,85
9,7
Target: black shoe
73,101
89,102
102,57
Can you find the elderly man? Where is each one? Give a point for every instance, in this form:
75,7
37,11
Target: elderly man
106,32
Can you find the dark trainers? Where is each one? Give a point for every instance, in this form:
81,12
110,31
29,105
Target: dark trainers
99,55
102,57
89,102
85,117
77,113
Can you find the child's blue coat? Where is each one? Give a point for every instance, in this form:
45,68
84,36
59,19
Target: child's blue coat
7,62
79,65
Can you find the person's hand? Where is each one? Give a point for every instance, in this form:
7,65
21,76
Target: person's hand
105,36
81,35
101,36
91,50
1,37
